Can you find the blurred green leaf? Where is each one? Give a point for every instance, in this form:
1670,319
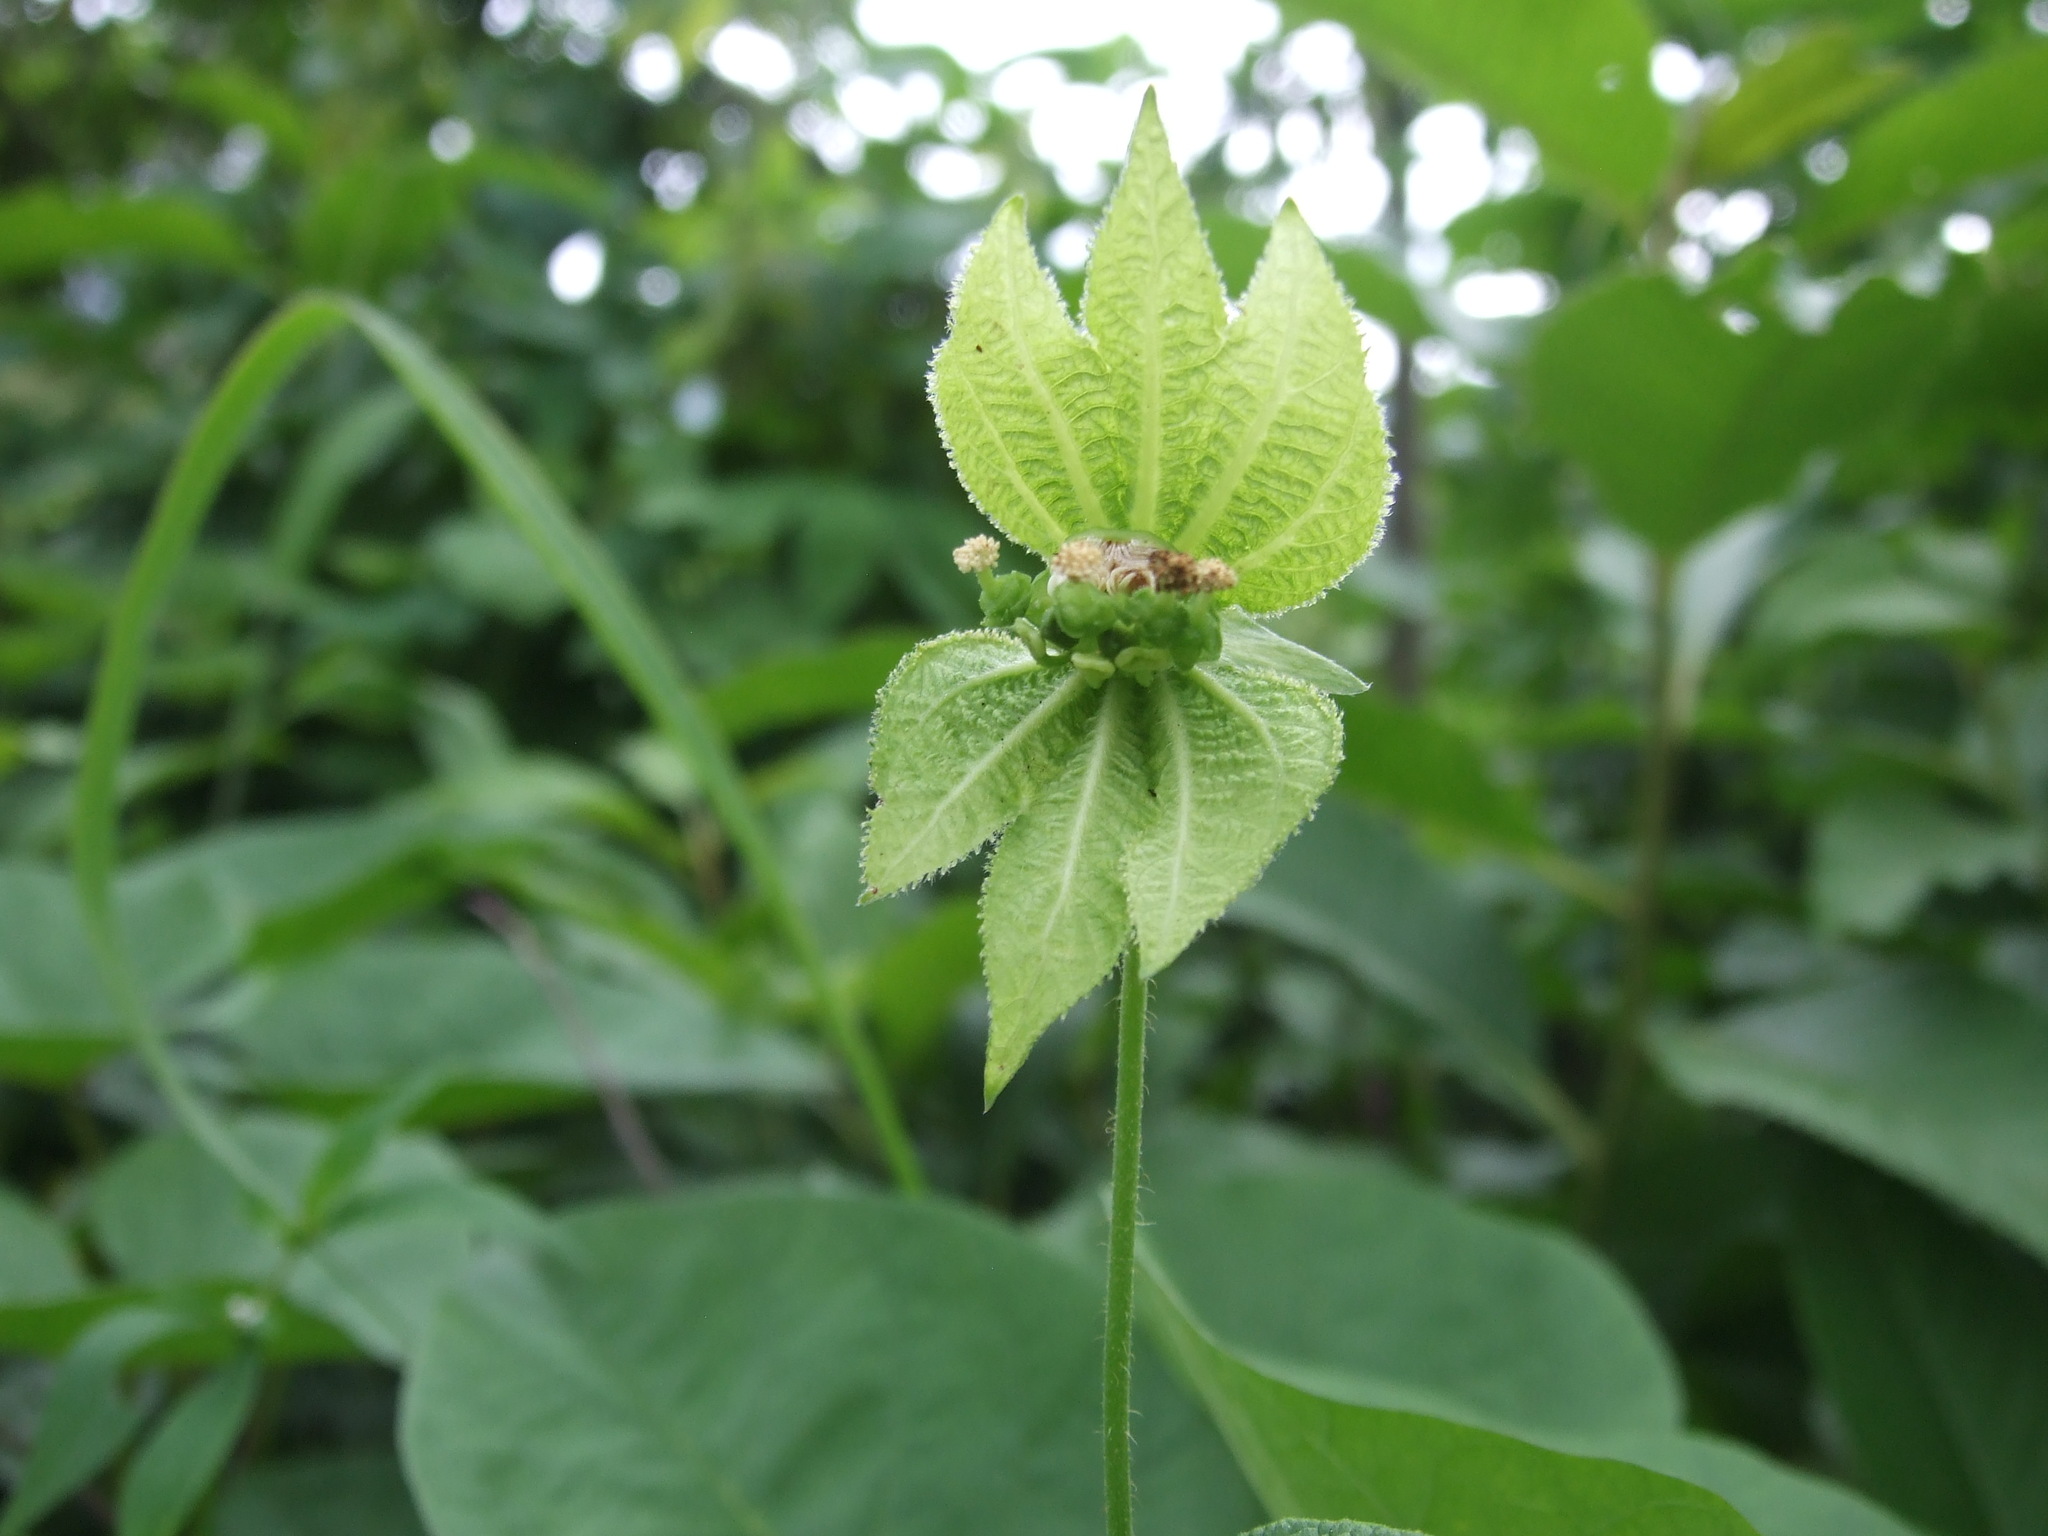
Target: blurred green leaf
1876,856
1351,888
56,1018
87,1419
1339,1270
1987,118
1824,77
913,982
463,1011
779,1361
232,95
1931,1337
1339,1273
1405,759
334,1493
1938,1078
803,687
1685,411
1578,77
1319,1456
175,1466
36,1258
374,217
164,1213
42,229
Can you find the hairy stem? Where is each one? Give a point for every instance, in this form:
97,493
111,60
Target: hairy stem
1652,839
1123,1245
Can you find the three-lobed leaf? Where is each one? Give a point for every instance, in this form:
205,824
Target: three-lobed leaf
1252,439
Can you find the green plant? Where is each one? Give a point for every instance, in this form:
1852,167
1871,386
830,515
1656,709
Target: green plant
1139,744
1617,1109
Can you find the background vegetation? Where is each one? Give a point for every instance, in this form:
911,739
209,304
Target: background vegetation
1650,1032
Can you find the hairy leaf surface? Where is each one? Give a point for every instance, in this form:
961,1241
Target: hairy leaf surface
1154,308
1296,473
1023,398
1237,758
1053,914
968,727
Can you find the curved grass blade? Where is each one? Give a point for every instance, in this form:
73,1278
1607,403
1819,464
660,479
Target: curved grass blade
522,493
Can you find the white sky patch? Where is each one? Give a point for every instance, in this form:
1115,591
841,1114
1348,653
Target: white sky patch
753,59
1079,128
576,267
1967,234
1512,295
1067,247
1342,192
1189,34
1676,73
652,69
1452,171
450,140
948,173
1382,354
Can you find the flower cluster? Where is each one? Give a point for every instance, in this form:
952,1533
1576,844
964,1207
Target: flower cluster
1107,607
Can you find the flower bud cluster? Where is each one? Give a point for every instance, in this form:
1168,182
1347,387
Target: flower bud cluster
1109,607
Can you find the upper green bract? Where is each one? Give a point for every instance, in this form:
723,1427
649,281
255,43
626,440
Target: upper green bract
1254,440
1132,805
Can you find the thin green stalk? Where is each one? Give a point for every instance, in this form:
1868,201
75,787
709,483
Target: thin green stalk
523,495
1117,1487
1645,912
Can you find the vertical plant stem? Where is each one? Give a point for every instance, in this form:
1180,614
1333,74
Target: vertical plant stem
1392,109
1123,1245
621,1114
1652,839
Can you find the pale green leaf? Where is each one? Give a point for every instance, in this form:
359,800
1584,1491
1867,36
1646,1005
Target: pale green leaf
1317,1456
1824,77
1325,1528
749,1362
1236,758
1296,474
1154,308
1053,915
1342,1274
966,729
1023,398
1248,643
1339,1269
1988,118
